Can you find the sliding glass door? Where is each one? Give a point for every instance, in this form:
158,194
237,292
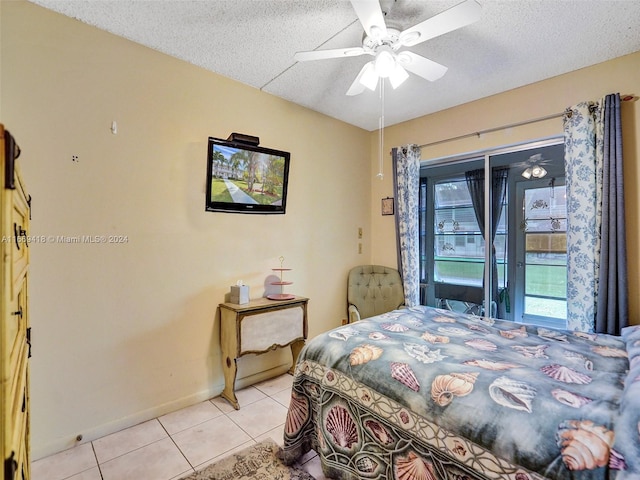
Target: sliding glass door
489,210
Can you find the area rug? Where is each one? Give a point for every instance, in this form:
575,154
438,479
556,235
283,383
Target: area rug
257,462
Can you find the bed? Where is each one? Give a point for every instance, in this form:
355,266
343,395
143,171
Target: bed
423,393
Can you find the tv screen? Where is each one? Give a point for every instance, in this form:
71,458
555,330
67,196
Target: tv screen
246,178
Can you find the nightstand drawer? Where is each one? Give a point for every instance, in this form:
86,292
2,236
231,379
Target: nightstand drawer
266,331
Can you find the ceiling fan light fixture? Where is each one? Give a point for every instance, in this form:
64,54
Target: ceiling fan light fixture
538,171
398,76
369,77
385,63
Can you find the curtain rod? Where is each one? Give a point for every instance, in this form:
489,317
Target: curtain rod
623,98
494,129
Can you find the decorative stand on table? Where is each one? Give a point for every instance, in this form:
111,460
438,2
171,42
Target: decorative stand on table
281,295
258,327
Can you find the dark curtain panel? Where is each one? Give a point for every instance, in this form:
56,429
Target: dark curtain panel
612,312
422,231
475,183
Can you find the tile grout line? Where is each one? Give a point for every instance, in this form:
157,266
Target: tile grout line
177,446
93,448
222,455
87,469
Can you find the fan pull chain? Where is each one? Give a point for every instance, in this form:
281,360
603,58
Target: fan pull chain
381,130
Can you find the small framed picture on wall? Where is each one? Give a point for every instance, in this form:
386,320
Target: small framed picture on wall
387,206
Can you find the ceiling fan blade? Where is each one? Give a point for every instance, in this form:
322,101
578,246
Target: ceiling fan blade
371,17
324,54
461,15
367,78
421,66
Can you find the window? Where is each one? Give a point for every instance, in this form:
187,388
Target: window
458,242
527,257
542,250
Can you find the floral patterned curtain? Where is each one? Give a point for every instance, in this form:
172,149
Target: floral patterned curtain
406,184
587,165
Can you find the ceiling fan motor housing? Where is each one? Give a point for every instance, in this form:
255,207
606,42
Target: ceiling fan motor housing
391,39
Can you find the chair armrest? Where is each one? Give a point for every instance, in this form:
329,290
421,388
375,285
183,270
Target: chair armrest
354,315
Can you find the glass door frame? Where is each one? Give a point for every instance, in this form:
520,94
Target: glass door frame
488,154
519,310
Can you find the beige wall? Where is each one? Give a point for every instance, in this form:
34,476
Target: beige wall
537,100
125,332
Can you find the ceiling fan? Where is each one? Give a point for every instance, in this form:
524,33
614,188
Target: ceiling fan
385,43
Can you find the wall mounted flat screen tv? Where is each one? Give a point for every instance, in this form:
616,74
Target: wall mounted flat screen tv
246,178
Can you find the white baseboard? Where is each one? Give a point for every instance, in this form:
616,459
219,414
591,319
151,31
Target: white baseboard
100,431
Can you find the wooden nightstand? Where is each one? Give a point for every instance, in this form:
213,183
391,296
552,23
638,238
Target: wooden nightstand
258,327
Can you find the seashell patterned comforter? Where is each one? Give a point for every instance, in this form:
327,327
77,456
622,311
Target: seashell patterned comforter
422,393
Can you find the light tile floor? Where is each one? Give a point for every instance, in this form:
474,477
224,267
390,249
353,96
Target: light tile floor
176,444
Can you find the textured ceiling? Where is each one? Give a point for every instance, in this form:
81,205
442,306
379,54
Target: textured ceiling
515,43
